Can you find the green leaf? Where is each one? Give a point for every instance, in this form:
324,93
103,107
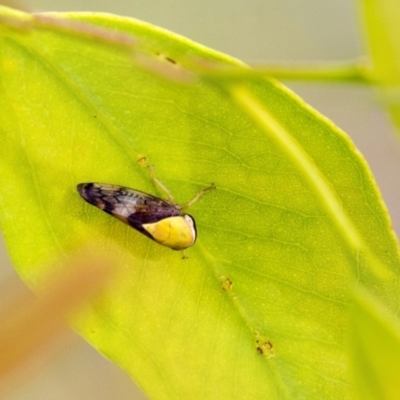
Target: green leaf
261,308
381,19
382,23
376,346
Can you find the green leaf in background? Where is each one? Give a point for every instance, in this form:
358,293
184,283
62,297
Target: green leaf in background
381,20
382,23
261,308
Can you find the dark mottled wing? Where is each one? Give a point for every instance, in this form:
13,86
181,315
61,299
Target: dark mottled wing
131,206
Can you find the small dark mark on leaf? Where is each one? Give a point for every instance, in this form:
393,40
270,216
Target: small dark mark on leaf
142,161
226,283
171,60
263,345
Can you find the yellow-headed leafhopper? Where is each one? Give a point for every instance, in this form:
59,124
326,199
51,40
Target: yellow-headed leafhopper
160,220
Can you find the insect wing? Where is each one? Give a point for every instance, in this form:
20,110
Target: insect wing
131,206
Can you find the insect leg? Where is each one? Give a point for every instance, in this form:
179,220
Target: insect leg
160,185
184,256
198,195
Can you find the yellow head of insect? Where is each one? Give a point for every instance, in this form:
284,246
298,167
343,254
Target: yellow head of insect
177,233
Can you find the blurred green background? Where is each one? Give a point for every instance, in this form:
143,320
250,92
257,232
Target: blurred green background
255,31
